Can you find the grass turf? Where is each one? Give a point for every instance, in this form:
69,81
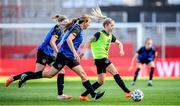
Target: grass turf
43,92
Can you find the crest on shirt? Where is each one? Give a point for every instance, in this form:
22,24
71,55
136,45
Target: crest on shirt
44,60
59,65
106,61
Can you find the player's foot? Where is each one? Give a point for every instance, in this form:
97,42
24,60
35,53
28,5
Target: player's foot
9,80
128,95
149,83
133,83
98,95
84,98
22,80
64,97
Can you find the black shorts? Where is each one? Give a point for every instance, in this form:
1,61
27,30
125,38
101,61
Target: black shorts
102,64
43,58
61,61
144,61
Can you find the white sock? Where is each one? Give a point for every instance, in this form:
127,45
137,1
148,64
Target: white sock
150,81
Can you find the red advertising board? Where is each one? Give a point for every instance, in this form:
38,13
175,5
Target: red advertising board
164,68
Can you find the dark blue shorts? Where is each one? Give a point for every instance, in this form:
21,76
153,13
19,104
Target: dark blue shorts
144,61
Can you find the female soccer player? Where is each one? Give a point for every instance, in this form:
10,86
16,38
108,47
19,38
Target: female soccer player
145,55
67,55
100,44
45,54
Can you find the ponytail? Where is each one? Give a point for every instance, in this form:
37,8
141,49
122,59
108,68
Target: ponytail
70,24
55,17
84,18
59,18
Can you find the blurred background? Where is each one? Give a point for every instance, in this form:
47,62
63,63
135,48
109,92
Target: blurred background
25,23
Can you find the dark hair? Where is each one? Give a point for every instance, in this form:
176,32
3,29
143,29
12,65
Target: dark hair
84,18
107,21
59,18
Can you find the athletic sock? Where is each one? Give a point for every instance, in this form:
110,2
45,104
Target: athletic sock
136,74
35,75
60,83
17,77
89,88
94,85
121,84
151,73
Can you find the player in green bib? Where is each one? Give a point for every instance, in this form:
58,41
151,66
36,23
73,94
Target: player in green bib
100,44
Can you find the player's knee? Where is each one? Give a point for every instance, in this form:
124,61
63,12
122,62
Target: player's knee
62,72
101,82
152,65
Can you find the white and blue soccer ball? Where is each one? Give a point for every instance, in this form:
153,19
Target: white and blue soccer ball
137,95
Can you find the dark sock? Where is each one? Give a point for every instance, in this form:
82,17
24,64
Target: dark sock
95,86
60,83
35,75
89,88
17,77
136,74
151,73
121,84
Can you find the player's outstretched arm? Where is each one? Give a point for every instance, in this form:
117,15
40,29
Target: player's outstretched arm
86,46
120,45
133,61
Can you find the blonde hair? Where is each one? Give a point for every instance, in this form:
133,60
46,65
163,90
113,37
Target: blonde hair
97,14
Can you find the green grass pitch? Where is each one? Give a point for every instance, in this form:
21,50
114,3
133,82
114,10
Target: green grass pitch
43,92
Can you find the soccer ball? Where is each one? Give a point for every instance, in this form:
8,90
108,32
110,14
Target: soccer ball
137,95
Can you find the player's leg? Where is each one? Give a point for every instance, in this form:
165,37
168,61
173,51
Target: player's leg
13,78
57,66
37,75
151,65
60,86
95,85
113,71
41,60
86,83
101,72
139,66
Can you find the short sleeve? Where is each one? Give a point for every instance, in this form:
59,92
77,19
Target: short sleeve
113,38
57,31
139,51
154,51
97,35
76,31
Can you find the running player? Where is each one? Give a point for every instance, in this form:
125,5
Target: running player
68,56
46,52
145,55
100,44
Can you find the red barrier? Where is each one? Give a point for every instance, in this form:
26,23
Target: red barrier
14,51
164,68
22,51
